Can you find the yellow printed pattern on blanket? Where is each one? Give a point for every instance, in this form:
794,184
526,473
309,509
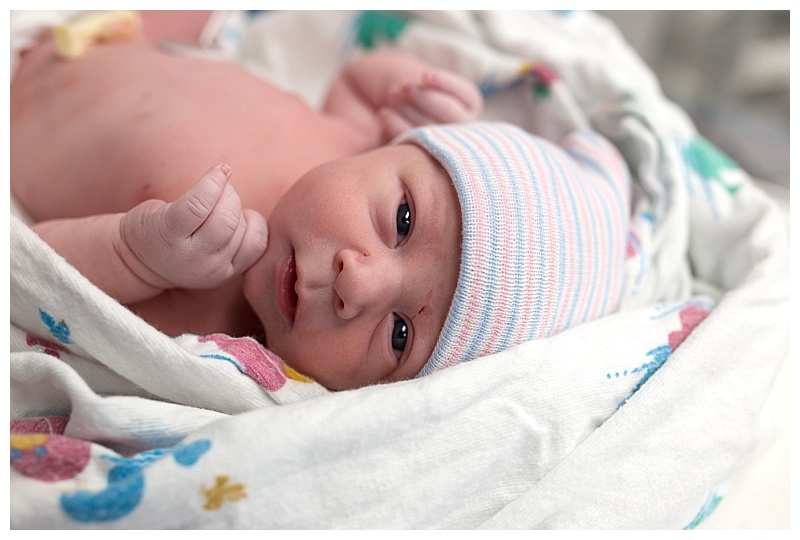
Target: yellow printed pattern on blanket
222,492
72,39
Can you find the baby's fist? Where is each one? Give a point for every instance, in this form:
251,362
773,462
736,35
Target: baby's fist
439,97
198,241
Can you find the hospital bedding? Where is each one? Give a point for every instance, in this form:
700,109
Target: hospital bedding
639,420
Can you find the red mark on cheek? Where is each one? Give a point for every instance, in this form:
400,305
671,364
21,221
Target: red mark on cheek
425,303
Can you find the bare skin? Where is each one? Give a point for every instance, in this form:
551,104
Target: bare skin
107,149
126,123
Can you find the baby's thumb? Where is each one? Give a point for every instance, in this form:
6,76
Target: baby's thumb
189,212
254,243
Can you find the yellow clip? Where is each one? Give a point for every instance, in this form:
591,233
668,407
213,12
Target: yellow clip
72,39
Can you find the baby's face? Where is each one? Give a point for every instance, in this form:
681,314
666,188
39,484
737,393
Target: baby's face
361,268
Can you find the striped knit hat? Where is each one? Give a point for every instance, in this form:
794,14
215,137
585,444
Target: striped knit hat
544,232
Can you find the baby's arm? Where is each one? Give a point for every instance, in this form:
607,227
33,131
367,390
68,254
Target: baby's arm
199,241
388,92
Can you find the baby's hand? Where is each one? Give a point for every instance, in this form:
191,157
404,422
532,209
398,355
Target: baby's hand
439,97
197,242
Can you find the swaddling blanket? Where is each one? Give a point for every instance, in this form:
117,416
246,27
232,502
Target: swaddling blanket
636,420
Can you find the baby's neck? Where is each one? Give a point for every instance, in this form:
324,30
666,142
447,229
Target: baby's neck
203,312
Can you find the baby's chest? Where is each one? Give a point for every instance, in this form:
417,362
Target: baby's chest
143,134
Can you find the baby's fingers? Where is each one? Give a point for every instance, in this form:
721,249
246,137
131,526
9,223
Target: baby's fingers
460,88
254,242
435,107
190,211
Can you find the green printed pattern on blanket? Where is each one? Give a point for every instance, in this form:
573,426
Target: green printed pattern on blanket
710,163
376,26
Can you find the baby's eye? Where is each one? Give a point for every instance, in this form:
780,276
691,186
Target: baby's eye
403,221
399,336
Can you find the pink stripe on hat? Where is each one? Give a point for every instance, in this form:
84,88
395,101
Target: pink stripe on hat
544,230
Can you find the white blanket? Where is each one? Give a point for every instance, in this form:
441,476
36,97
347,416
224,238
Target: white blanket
637,420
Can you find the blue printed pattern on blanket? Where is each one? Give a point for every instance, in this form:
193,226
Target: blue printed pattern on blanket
59,329
126,484
706,510
690,315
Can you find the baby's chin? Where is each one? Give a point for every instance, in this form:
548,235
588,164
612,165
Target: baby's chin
255,289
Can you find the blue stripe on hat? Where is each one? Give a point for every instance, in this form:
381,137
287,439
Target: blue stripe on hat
586,159
538,210
502,257
517,258
557,166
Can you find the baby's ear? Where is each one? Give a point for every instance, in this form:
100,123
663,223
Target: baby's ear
596,155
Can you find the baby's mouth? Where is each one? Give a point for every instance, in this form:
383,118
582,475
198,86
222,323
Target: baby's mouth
286,293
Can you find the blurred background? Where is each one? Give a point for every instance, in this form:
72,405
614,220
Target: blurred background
730,71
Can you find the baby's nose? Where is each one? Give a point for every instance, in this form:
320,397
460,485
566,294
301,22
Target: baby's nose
365,281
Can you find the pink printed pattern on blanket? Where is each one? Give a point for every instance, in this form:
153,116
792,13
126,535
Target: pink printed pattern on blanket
258,363
49,425
49,458
690,317
53,349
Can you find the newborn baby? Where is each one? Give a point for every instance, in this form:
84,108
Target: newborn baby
381,263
